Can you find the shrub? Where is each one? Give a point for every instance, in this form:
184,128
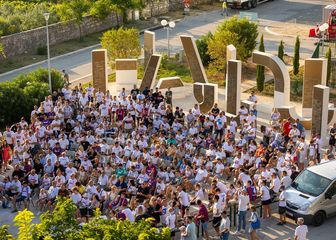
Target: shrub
42,50
239,32
116,45
61,224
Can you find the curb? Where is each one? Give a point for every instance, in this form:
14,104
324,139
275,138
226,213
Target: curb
156,27
285,35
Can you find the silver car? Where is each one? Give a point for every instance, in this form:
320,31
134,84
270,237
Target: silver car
312,195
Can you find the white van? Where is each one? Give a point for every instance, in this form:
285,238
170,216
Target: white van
313,194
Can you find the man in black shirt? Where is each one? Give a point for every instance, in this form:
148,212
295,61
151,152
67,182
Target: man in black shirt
215,110
155,94
134,92
143,191
169,96
38,166
18,172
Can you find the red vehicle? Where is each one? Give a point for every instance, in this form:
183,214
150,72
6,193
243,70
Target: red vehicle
330,29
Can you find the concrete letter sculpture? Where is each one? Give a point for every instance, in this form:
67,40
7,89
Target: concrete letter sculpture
234,68
126,73
320,111
315,73
151,72
169,82
149,45
281,76
206,94
99,69
209,93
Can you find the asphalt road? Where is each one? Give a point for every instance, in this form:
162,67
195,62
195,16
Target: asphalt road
283,11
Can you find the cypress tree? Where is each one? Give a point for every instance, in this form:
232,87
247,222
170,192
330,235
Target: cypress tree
296,59
328,57
261,69
281,50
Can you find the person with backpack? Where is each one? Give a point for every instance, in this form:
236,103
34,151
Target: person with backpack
254,224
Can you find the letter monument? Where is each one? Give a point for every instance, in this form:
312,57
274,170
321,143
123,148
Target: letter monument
99,69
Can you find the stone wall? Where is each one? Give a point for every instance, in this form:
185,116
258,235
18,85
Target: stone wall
156,9
29,41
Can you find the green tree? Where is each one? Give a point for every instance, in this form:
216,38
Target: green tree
239,32
261,69
121,43
23,221
74,9
19,96
328,57
202,46
102,8
296,59
61,222
281,50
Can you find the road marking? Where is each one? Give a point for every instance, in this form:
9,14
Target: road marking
273,33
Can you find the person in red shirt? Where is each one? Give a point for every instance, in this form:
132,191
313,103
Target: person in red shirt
120,112
286,127
6,155
203,217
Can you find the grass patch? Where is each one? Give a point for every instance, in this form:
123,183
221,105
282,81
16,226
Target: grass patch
170,69
173,68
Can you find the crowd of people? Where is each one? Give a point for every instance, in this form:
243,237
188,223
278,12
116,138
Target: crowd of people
135,156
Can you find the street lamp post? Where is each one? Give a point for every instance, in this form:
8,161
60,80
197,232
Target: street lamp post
46,17
169,26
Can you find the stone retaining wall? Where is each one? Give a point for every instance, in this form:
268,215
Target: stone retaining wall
29,41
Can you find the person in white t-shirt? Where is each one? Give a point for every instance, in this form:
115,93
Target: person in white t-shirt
275,184
243,202
286,181
171,221
128,212
301,230
184,200
282,206
265,200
